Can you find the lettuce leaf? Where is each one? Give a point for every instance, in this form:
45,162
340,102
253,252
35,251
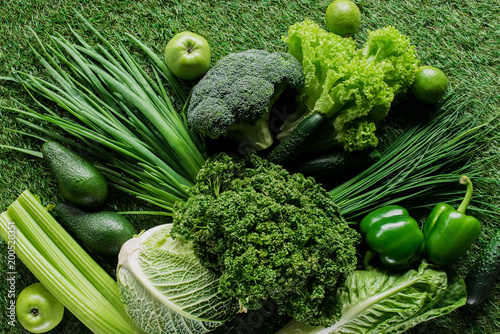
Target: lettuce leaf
394,55
378,301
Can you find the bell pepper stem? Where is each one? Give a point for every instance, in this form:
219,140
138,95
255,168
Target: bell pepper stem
468,195
369,255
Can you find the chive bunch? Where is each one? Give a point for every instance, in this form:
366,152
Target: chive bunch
423,165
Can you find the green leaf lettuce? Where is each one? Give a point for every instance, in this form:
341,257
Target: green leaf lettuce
354,88
378,301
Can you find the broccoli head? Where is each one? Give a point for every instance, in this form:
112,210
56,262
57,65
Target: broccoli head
235,97
271,235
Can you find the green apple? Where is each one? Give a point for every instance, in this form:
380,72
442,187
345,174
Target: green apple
187,55
37,309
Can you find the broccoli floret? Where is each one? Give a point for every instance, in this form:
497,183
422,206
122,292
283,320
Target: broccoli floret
271,235
235,97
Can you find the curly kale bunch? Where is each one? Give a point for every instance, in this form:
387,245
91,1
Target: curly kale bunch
271,235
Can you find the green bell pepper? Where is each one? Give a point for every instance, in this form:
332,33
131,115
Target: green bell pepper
396,237
449,233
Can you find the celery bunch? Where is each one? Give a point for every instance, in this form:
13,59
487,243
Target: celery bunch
64,267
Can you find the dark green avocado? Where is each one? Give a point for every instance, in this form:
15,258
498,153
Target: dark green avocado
103,232
80,182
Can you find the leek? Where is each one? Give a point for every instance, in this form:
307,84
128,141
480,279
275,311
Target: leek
64,267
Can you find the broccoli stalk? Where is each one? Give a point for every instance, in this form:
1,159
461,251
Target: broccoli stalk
257,136
235,97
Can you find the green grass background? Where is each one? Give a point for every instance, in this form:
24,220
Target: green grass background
460,37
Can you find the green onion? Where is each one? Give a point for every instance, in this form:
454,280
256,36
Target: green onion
423,165
63,267
125,117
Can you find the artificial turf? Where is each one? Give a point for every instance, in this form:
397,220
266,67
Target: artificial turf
460,37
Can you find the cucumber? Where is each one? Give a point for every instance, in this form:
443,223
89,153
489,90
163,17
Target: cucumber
481,278
298,141
337,164
103,232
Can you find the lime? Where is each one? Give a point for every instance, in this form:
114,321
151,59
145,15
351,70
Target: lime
343,18
430,84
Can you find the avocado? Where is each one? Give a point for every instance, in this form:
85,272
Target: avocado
103,232
79,181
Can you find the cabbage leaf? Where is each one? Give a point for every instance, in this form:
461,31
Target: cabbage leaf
166,289
378,301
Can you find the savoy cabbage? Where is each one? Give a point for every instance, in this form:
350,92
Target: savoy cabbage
166,289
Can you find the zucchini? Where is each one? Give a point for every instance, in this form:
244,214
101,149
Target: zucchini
481,278
298,141
338,164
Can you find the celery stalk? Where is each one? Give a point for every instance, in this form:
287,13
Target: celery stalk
50,266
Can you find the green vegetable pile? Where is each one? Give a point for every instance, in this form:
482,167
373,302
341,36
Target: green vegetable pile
270,234
243,230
